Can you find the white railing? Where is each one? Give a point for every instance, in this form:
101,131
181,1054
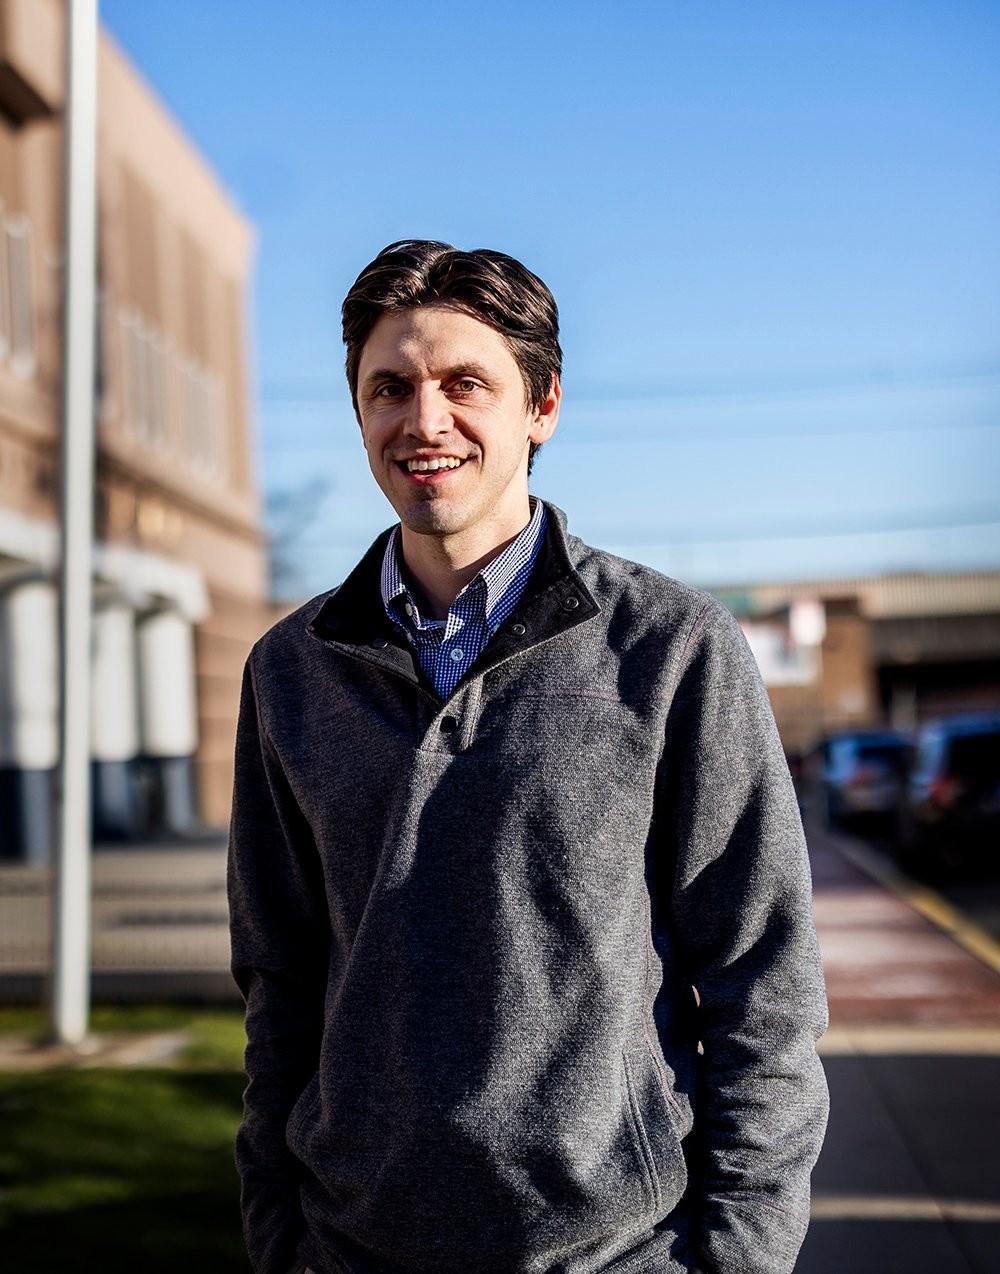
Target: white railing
169,400
165,399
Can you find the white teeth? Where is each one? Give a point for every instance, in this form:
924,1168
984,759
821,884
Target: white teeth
432,466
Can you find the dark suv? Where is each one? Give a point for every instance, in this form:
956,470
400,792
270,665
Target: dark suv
855,775
949,808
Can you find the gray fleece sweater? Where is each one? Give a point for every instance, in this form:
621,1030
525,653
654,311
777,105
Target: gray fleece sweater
531,975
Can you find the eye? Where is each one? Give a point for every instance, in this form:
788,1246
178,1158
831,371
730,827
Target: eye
466,385
391,389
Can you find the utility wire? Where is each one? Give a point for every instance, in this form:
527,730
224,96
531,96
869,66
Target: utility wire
957,518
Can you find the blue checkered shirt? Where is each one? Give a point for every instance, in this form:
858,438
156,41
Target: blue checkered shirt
447,648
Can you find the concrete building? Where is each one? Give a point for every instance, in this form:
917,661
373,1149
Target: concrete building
180,564
892,649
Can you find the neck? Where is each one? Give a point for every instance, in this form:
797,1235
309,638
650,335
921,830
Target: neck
439,567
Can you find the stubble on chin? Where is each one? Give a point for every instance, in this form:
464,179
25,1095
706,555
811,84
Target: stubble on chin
429,517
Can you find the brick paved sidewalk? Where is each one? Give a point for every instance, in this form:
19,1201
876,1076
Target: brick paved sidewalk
909,1179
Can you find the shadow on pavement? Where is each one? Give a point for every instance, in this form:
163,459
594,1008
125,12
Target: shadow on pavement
909,1178
151,1234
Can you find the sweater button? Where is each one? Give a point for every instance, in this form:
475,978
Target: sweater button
448,725
380,643
518,630
571,602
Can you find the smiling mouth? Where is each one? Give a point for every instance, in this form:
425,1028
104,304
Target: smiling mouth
423,465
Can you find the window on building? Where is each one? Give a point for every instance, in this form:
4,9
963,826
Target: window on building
141,224
4,290
17,295
165,380
104,352
204,419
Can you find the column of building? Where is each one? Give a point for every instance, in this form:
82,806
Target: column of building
143,727
29,728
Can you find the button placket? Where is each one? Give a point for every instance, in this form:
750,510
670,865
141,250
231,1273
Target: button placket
454,729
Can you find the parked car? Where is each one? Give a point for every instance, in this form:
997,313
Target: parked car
949,807
857,774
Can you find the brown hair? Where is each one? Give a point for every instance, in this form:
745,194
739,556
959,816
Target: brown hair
489,286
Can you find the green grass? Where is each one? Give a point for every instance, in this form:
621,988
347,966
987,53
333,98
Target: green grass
216,1035
124,1170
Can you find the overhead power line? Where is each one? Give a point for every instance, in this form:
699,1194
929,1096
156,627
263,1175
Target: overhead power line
788,528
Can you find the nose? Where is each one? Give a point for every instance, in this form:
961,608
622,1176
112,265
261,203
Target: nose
429,416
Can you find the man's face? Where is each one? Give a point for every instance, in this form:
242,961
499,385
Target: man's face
445,423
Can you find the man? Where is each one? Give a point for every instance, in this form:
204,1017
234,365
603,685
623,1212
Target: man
520,901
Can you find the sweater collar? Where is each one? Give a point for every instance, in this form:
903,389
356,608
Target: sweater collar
555,600
489,596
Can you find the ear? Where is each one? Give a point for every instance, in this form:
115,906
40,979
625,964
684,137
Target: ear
545,418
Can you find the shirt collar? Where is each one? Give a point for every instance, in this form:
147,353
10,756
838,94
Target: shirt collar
507,571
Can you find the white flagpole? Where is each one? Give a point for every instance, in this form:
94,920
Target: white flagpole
71,909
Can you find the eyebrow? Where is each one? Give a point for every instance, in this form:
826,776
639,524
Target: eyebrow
450,373
384,373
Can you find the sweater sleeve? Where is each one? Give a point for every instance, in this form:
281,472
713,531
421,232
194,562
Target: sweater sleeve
742,921
280,942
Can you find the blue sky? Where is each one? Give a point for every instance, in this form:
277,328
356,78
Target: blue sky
772,231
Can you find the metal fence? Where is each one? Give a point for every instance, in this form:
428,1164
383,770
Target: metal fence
159,926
